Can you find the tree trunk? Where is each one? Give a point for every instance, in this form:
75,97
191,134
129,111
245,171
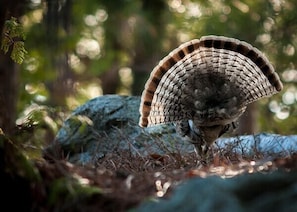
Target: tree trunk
148,38
8,93
58,19
248,121
110,80
8,71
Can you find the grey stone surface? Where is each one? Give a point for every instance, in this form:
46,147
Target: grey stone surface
264,143
110,123
255,192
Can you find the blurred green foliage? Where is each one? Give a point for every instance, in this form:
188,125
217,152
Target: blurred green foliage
101,44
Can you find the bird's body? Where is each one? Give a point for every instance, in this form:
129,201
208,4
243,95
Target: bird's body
204,86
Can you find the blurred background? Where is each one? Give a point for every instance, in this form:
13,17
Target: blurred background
78,50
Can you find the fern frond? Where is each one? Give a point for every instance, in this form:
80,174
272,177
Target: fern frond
13,37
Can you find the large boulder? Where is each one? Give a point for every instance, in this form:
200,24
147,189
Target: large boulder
255,192
109,123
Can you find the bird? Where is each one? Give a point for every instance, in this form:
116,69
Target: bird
204,85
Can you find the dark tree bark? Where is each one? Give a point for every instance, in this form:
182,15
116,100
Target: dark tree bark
110,80
114,45
148,41
248,121
58,18
8,70
8,93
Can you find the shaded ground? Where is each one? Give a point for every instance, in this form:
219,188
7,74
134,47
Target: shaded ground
126,181
117,182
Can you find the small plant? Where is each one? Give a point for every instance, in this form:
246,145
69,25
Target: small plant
13,37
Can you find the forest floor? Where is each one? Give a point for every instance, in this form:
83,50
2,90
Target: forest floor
119,181
125,181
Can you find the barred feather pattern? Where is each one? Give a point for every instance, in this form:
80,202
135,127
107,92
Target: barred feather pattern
209,80
206,68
